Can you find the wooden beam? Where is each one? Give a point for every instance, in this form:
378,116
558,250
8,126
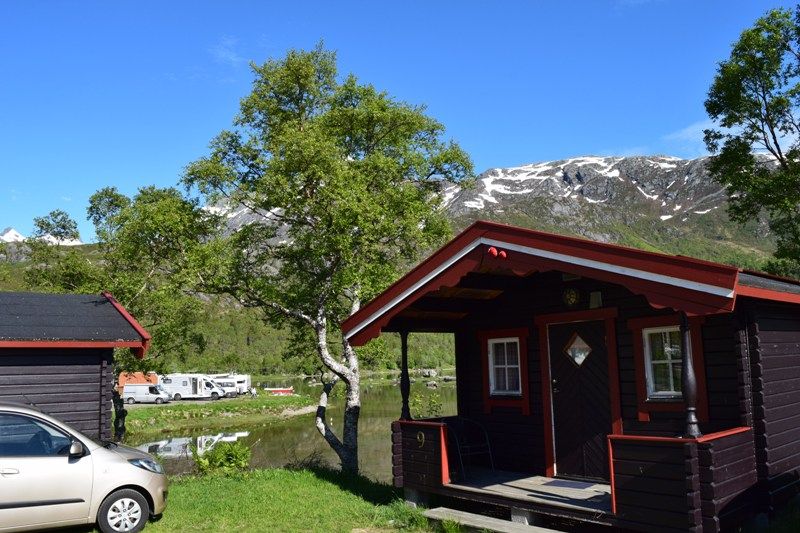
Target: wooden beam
689,379
405,381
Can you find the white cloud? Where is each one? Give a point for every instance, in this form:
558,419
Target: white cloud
224,51
688,141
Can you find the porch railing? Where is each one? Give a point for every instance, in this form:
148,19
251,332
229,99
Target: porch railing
680,483
419,453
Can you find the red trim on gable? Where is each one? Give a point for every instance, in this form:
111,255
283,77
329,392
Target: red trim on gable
141,348
645,406
522,401
377,313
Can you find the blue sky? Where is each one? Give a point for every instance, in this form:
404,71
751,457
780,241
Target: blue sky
127,93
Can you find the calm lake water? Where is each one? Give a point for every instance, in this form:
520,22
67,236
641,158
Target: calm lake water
286,441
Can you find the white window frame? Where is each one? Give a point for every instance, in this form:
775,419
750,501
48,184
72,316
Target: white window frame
648,365
490,345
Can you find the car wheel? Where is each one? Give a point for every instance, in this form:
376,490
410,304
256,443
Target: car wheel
131,400
214,396
159,400
176,397
124,510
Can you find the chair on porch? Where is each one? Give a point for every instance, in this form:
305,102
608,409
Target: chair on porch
469,439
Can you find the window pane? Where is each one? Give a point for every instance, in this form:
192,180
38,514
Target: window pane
512,355
661,378
23,436
656,341
677,374
500,379
513,380
672,341
499,350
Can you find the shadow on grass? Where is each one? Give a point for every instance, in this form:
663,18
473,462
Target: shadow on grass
369,490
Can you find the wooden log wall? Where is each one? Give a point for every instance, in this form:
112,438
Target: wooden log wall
727,480
657,485
73,385
774,346
417,455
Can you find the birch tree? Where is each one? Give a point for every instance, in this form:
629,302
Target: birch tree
345,183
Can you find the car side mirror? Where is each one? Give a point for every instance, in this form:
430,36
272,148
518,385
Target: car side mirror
76,449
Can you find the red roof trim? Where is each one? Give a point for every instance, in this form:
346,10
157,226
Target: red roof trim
70,344
140,348
767,294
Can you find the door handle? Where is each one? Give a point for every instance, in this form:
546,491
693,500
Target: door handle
8,471
555,383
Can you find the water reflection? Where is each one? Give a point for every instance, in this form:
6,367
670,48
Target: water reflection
181,447
290,441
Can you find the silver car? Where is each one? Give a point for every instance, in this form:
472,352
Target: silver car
52,476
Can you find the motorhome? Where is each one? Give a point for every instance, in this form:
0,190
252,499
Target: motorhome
144,393
191,386
243,381
228,385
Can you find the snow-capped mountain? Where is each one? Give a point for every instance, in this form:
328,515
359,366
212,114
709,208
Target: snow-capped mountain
11,235
674,187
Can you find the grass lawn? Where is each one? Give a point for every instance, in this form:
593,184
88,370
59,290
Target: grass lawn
213,415
285,500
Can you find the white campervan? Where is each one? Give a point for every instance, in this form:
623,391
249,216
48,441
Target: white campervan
242,381
227,385
144,393
183,386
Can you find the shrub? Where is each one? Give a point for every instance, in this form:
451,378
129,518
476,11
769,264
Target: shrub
224,458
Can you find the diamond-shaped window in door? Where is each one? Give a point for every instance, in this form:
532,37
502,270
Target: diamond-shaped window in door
577,349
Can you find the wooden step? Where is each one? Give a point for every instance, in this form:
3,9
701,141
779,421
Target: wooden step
482,523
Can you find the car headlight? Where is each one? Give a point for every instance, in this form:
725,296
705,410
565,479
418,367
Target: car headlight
147,464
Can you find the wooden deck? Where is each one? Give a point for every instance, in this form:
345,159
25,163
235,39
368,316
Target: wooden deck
580,496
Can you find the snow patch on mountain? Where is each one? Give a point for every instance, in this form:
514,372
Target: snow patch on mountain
11,235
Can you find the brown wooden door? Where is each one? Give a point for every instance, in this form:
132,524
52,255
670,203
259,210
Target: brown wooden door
581,407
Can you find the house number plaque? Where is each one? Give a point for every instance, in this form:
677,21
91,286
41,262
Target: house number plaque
421,438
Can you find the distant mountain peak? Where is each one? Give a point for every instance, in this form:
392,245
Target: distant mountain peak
11,235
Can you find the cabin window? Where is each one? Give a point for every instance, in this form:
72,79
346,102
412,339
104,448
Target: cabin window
166,381
504,360
658,367
504,366
662,351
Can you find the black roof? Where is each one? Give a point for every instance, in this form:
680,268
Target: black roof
27,316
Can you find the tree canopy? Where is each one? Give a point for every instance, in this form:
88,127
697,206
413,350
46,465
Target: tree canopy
755,103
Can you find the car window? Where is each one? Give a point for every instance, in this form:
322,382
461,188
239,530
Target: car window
153,390
23,436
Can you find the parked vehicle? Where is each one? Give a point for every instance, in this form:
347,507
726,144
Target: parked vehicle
144,393
52,476
190,386
229,386
243,381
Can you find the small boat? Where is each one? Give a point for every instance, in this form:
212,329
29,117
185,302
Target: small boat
280,391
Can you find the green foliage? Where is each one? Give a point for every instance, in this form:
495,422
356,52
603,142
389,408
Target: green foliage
57,224
754,101
425,405
225,458
347,172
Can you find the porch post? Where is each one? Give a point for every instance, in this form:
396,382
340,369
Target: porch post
689,382
405,382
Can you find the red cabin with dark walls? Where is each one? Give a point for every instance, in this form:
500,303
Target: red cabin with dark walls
600,383
57,351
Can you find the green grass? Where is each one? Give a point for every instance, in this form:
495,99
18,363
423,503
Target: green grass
201,415
285,500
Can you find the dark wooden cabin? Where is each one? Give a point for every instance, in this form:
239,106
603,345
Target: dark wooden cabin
56,352
599,383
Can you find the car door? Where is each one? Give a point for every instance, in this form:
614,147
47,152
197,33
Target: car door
40,484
